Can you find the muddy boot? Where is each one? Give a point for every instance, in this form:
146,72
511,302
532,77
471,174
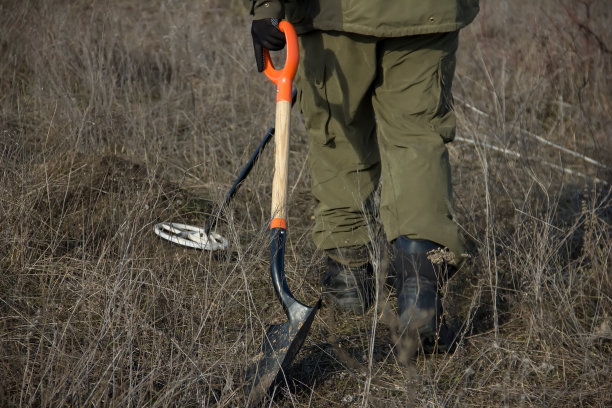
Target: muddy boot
349,281
417,281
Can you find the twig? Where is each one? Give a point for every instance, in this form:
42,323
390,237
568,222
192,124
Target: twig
541,139
518,155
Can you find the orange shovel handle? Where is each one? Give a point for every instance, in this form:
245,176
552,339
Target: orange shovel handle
284,77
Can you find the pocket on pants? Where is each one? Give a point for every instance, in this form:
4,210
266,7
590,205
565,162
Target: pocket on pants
314,103
444,121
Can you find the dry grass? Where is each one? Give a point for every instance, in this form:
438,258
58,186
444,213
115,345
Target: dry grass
115,115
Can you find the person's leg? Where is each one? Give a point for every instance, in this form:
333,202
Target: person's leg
413,106
334,79
335,75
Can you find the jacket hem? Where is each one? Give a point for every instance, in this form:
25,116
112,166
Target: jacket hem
381,32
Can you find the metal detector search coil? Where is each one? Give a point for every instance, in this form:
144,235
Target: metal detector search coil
190,236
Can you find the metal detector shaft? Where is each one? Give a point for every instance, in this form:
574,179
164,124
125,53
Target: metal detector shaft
244,173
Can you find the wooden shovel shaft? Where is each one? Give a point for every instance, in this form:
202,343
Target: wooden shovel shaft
281,165
283,79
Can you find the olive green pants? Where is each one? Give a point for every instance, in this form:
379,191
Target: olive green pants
379,110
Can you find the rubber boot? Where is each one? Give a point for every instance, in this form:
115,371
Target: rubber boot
349,281
417,281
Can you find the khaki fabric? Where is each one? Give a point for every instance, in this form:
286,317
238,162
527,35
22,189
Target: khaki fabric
381,18
379,110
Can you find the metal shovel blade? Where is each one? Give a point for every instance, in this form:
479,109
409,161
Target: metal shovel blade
281,341
280,346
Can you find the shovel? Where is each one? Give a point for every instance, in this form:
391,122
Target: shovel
281,341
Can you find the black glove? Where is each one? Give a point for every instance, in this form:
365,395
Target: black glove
266,34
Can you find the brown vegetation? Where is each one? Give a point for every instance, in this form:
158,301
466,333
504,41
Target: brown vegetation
117,114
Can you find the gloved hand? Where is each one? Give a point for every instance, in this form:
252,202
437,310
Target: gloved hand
266,34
